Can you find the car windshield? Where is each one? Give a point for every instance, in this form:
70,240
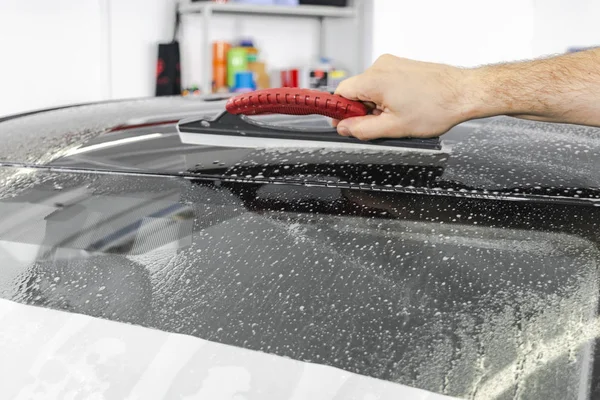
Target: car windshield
466,297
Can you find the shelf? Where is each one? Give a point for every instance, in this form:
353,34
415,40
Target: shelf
275,10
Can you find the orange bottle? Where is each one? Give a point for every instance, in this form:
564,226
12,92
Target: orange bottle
219,62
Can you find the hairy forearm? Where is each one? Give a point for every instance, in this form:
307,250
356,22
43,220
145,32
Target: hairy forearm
558,89
421,99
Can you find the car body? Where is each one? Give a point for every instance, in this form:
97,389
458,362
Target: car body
138,266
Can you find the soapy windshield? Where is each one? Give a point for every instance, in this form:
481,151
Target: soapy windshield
471,298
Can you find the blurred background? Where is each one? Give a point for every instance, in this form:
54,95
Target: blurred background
57,52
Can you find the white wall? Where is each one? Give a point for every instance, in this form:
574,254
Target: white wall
560,24
459,32
475,32
136,27
71,51
52,53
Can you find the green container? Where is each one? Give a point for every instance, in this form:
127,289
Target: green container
237,61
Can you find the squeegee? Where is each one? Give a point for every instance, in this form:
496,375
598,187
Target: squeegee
234,127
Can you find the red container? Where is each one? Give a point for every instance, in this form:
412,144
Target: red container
289,78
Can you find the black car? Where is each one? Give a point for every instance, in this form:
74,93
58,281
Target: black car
467,267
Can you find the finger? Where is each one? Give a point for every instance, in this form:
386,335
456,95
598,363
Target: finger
346,88
360,87
371,127
334,122
343,131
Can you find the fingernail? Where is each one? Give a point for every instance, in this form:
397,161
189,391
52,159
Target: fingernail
342,130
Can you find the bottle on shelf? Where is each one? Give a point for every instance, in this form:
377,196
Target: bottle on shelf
219,64
244,82
237,61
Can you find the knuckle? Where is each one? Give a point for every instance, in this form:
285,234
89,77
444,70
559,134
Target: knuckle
384,58
368,79
373,82
370,87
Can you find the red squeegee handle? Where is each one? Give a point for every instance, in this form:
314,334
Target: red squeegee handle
295,101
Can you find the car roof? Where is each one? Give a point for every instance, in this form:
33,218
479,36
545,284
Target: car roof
503,157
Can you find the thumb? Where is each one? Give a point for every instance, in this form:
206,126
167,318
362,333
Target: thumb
371,127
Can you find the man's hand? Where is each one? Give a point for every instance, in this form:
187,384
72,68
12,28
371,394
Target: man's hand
418,99
411,98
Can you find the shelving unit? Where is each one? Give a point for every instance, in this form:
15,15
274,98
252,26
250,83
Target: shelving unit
276,10
322,13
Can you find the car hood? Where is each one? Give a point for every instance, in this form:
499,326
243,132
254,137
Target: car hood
499,157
